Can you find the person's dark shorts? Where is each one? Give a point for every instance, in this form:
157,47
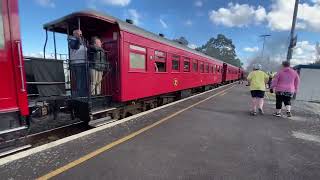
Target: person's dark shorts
257,94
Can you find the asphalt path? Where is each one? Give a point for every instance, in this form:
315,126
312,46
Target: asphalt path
216,139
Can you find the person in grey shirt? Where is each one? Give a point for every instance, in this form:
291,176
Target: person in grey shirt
78,54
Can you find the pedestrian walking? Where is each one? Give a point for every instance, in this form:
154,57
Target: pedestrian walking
285,85
257,80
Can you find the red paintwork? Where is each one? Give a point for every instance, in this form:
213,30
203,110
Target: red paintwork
233,73
12,98
137,84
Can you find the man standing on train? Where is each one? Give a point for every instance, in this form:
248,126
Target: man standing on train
78,54
98,64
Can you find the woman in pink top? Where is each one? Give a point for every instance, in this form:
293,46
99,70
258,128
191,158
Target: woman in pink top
285,84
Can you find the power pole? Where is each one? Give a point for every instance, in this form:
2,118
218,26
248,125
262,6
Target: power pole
293,38
264,40
318,52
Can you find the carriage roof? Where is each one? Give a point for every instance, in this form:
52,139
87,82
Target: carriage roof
60,25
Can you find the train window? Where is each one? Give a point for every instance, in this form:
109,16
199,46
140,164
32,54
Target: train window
137,61
195,65
1,28
175,63
161,56
207,68
160,66
186,65
201,67
211,69
160,61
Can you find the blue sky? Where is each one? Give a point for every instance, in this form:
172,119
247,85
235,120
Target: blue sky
197,20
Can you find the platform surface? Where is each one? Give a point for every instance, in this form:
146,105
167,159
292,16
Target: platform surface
208,137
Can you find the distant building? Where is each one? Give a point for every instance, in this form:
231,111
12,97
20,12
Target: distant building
309,89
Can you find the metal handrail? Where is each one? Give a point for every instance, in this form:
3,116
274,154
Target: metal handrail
23,89
89,64
46,83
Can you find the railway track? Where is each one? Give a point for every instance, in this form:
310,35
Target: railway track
38,139
54,134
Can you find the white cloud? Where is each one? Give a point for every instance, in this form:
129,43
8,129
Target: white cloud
310,15
46,3
164,24
280,16
238,15
192,46
198,3
251,49
116,2
135,16
304,53
260,14
188,23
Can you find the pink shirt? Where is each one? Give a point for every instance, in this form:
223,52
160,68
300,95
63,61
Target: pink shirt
286,80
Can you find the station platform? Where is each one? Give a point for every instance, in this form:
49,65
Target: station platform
209,136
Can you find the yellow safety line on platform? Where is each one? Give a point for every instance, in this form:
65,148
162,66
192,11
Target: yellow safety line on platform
119,141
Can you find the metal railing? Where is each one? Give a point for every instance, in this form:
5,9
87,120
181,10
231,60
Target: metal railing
89,79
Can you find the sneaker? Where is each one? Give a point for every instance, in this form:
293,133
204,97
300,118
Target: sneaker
277,114
261,112
252,113
289,114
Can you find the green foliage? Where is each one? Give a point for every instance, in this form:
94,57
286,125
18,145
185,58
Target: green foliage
221,48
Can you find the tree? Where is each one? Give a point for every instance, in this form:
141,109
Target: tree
182,40
221,48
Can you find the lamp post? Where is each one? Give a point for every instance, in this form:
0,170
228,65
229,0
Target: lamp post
264,36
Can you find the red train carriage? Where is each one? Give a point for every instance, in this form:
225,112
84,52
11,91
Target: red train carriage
13,94
232,73
144,65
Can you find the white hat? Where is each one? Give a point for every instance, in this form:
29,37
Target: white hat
257,67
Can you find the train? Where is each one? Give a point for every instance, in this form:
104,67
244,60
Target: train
146,70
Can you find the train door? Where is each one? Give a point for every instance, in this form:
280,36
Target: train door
224,72
13,95
112,78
